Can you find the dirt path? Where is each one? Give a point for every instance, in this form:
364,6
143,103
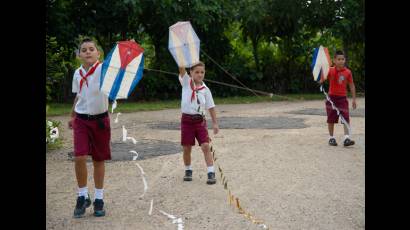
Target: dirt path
283,172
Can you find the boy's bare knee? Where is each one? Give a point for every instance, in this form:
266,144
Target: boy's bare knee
98,163
187,148
80,159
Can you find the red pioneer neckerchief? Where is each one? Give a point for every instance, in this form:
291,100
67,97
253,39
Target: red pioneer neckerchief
194,89
90,72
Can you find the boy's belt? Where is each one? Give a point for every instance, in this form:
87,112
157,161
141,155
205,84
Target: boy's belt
194,116
91,117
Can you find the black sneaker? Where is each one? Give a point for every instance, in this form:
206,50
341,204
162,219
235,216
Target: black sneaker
348,142
82,204
332,142
99,207
211,178
188,175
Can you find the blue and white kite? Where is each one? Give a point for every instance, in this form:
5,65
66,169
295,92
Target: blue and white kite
183,44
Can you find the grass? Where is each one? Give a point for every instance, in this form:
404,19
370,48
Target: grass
55,109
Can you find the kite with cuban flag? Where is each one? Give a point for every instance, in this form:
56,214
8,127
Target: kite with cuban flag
122,70
321,63
183,44
320,68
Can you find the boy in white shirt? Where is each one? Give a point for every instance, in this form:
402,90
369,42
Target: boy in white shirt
196,98
91,128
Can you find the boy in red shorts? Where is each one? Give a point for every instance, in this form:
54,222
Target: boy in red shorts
339,76
196,98
91,128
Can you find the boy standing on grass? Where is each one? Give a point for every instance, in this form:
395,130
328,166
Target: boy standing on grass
339,76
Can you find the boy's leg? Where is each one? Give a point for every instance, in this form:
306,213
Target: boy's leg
332,118
80,163
187,155
346,130
344,110
207,154
99,172
209,163
187,141
203,140
346,140
331,128
83,199
101,151
332,140
187,162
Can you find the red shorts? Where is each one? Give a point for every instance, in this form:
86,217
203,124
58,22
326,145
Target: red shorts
342,104
191,129
90,139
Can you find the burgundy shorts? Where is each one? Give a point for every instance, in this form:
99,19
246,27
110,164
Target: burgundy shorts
342,104
90,139
192,128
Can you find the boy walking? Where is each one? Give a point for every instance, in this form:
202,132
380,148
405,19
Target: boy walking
339,76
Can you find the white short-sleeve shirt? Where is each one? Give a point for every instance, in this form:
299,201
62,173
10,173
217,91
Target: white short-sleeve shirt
204,96
90,100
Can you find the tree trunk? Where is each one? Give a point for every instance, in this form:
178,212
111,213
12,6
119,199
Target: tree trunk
255,53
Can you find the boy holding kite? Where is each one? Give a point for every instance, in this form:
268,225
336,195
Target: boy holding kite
339,77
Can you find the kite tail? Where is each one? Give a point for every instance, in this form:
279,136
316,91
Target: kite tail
342,119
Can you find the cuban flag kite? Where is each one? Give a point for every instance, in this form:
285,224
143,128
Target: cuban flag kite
183,44
321,63
122,70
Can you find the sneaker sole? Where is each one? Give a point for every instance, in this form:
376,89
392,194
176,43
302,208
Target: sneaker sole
79,216
211,182
99,214
187,178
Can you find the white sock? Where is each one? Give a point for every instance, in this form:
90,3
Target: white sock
83,191
346,136
188,167
331,137
211,169
98,193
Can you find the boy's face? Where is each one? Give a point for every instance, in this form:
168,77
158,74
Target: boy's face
89,53
198,74
339,61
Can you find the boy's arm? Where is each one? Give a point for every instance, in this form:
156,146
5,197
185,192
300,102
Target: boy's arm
214,121
70,122
322,78
353,91
182,71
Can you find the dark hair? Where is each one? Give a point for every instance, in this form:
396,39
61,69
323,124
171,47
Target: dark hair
86,40
339,52
197,64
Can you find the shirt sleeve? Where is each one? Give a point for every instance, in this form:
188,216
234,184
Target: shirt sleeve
350,77
75,83
209,101
184,80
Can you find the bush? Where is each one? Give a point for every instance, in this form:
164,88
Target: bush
53,141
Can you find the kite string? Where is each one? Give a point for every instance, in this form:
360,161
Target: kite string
233,77
342,119
225,84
